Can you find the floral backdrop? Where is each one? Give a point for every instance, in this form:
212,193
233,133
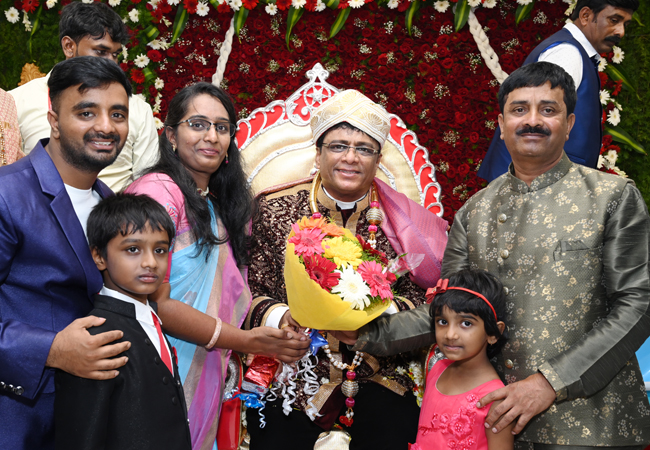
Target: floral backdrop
416,58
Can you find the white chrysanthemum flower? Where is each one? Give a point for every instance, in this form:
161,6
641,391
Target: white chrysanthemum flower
392,4
611,156
153,3
604,97
159,123
618,105
235,5
27,22
618,55
619,172
125,53
155,44
202,9
356,3
320,6
173,2
141,61
490,4
524,2
271,9
441,6
50,4
614,116
352,288
473,3
601,162
114,3
12,15
602,64
134,15
298,3
400,370
159,83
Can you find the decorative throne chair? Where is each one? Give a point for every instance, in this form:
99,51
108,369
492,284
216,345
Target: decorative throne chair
275,143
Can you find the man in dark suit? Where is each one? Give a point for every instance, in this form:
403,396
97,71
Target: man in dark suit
47,274
597,26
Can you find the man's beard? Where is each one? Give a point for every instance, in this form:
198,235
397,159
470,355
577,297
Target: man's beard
75,154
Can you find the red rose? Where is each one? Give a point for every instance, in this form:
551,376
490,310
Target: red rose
447,63
603,78
223,8
155,55
473,137
443,40
382,71
190,5
460,118
382,59
137,76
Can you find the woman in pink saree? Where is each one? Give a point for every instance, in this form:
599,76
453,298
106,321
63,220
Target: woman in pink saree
200,181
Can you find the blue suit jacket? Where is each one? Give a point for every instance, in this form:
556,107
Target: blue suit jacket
583,146
47,280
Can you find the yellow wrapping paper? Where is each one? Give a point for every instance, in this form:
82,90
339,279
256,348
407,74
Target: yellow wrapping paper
312,306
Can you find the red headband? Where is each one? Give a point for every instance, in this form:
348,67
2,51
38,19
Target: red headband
443,286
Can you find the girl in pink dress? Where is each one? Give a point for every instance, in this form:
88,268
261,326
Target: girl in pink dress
467,311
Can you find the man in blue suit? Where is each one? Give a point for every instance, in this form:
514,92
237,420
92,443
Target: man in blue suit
597,26
47,274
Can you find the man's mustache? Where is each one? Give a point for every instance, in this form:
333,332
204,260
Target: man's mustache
613,39
95,136
539,129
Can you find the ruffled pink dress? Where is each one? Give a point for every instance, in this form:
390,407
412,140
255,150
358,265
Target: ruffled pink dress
452,421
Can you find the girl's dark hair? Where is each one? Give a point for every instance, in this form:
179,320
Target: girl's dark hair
464,302
229,192
125,214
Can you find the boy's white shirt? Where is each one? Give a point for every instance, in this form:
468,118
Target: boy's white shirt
143,316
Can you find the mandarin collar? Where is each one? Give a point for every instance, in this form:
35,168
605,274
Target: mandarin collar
543,181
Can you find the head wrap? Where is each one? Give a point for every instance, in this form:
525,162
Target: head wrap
354,108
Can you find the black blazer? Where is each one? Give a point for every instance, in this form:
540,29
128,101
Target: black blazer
142,408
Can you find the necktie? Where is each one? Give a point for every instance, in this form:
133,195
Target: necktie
164,353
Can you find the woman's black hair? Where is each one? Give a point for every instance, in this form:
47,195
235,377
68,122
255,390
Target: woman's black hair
229,191
458,301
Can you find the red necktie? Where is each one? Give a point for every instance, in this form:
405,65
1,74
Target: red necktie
164,353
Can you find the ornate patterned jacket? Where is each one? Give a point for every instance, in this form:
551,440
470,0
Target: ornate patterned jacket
572,251
277,211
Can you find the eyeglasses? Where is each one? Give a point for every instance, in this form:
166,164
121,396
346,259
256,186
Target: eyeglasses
203,126
361,151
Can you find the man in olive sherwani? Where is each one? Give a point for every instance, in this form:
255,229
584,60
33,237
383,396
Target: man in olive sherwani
571,246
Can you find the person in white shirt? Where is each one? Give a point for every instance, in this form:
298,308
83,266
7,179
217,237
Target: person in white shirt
597,26
91,30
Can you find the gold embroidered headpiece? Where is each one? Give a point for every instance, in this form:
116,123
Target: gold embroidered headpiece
354,108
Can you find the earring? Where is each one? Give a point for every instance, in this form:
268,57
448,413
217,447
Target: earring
173,148
226,158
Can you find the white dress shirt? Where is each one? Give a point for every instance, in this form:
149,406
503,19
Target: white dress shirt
143,315
568,56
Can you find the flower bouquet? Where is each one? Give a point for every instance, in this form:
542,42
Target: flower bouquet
335,280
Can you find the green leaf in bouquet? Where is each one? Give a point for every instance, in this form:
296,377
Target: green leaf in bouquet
410,14
523,12
150,33
240,19
621,136
292,19
332,4
617,74
637,17
461,14
180,22
339,22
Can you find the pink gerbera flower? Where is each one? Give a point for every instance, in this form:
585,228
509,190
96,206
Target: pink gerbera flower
371,272
321,270
307,241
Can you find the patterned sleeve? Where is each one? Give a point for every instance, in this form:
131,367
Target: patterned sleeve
266,269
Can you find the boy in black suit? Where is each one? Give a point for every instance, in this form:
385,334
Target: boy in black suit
143,407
